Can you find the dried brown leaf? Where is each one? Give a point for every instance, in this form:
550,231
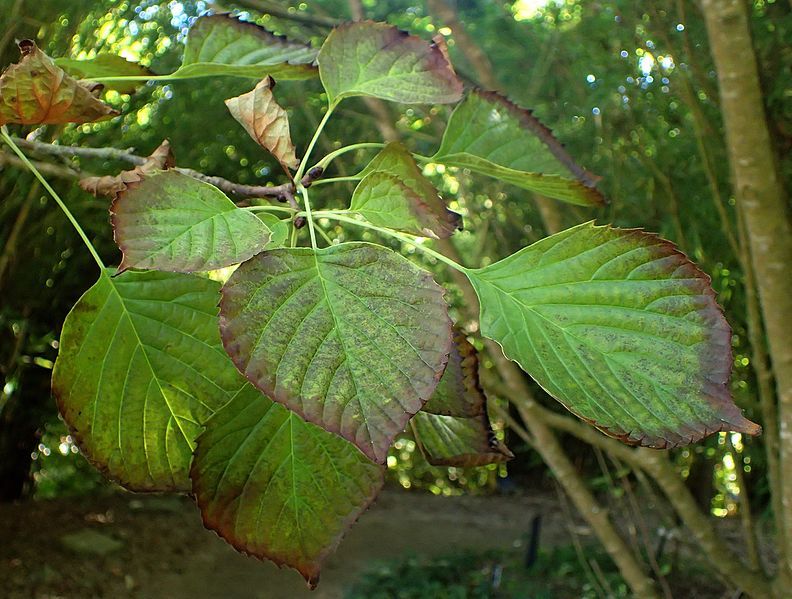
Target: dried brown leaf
111,185
36,91
265,121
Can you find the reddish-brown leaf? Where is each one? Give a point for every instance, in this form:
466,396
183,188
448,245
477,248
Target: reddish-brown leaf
265,121
453,428
36,91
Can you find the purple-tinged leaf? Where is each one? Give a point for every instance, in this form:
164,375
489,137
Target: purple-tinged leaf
379,60
352,337
277,487
453,429
394,193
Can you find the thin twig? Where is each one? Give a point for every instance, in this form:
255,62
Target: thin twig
282,193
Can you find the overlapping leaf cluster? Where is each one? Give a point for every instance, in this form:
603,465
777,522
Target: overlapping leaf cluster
277,409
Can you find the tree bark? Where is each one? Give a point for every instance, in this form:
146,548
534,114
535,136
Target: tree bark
760,198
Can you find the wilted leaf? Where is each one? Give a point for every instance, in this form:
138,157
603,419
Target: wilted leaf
223,45
139,369
278,487
353,337
170,221
379,60
489,134
36,91
621,328
107,66
394,193
266,122
110,185
453,429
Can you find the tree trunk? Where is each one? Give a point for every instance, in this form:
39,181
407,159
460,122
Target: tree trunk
760,198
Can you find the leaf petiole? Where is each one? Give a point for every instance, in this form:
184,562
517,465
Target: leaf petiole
351,148
7,139
270,209
335,180
339,216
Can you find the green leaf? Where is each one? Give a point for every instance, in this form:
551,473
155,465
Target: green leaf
220,45
278,487
376,59
106,65
453,429
621,328
266,122
170,221
352,337
139,370
490,135
36,91
279,229
394,193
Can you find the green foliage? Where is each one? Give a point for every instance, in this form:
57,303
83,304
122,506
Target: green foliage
485,574
170,221
490,135
619,327
375,59
139,371
353,337
272,484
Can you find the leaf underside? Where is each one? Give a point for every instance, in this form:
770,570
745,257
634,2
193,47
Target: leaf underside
170,221
353,337
223,45
140,368
36,91
490,135
279,229
394,193
621,328
106,65
266,122
278,487
453,428
376,59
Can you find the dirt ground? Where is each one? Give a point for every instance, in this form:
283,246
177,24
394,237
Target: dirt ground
156,546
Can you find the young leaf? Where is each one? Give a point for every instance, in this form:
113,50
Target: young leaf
106,65
376,59
279,229
36,91
140,368
453,429
223,45
110,185
394,193
278,487
490,135
352,337
170,221
266,122
621,328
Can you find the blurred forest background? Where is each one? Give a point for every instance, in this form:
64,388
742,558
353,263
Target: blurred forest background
629,87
